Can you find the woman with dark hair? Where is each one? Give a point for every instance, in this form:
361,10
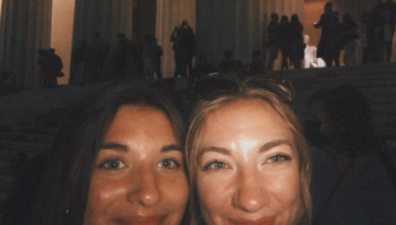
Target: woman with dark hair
118,161
284,41
296,41
353,176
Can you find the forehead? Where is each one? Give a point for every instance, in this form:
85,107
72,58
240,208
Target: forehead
245,114
138,119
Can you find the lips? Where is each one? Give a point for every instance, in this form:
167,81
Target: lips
263,221
140,220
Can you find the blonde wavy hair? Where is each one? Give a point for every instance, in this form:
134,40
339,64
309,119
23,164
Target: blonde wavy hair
198,123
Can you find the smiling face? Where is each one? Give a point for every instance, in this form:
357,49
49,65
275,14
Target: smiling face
248,167
138,176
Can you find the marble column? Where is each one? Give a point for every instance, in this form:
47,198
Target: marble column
238,25
107,17
235,25
171,13
25,28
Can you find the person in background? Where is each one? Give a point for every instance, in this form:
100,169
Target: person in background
352,172
349,39
148,52
330,32
54,68
310,60
284,41
202,68
296,41
273,40
79,74
156,57
96,54
121,58
255,67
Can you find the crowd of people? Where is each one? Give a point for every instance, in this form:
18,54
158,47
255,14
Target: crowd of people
96,61
371,40
373,35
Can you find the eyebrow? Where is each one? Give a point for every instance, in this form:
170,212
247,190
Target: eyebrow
265,147
168,148
124,148
272,144
223,151
114,146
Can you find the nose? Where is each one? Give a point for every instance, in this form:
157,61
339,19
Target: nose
146,191
250,194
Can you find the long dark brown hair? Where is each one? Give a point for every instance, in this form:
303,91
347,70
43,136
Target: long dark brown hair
62,198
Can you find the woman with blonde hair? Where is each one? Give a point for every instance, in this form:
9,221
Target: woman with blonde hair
248,160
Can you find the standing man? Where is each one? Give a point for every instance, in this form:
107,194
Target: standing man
184,46
330,34
54,68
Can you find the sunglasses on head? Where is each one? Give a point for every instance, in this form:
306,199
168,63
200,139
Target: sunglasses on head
216,85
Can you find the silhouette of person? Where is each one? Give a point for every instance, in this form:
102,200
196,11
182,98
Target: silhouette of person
273,40
121,57
229,64
96,54
389,28
296,41
54,67
339,44
79,76
349,39
156,57
362,33
256,66
328,39
184,46
284,41
147,53
202,68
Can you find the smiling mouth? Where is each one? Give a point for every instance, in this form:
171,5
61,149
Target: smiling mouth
140,220
264,221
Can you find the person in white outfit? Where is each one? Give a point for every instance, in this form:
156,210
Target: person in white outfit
310,60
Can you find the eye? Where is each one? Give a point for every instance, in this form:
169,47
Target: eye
168,163
215,165
113,164
278,158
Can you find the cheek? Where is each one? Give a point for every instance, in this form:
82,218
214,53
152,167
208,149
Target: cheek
174,191
102,193
284,188
214,194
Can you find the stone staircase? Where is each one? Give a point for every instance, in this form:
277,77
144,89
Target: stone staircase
17,146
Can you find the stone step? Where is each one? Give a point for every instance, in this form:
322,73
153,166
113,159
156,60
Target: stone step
31,130
24,147
5,183
28,138
5,168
